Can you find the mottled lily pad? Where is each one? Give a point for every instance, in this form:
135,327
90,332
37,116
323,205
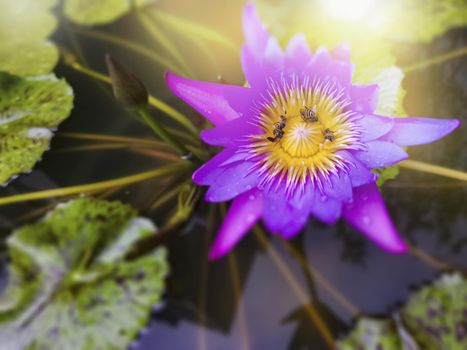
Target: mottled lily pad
435,318
30,110
373,334
25,26
70,285
437,315
92,12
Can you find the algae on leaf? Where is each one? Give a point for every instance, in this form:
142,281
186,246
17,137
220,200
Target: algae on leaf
92,12
70,285
435,318
373,334
437,315
25,26
30,110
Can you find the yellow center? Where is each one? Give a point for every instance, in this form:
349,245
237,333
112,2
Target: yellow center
304,129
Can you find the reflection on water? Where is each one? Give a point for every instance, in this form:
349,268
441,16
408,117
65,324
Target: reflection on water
263,297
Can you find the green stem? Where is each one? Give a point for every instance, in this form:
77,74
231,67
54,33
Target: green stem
436,60
97,186
162,133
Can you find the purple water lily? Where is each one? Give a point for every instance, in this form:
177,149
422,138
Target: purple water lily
301,140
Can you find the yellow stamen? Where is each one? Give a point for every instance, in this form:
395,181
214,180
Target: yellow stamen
304,129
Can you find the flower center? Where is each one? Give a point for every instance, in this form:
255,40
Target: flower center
304,128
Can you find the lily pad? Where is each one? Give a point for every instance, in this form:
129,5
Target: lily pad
373,334
30,110
435,318
25,26
437,315
70,285
91,12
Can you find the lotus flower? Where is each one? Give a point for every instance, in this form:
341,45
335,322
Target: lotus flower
301,140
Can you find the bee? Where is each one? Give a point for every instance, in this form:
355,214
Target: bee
278,131
329,135
309,115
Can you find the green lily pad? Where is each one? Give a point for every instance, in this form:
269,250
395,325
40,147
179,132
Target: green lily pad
25,26
91,12
30,110
435,318
437,315
70,285
372,334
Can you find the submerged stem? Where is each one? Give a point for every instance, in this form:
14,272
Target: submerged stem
314,315
434,169
436,60
97,186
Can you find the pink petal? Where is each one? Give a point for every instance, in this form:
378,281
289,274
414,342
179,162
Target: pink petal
207,98
380,154
369,215
244,212
418,131
364,98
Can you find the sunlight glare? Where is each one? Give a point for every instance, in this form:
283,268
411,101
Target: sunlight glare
348,10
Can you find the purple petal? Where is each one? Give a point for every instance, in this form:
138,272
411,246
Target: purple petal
358,173
418,131
244,212
235,179
281,216
298,53
339,187
262,57
232,133
255,34
207,98
326,209
276,213
212,169
324,67
342,52
374,126
380,154
364,98
369,215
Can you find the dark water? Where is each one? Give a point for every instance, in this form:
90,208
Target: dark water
257,297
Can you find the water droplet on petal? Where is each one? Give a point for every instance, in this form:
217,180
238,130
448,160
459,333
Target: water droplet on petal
366,220
252,197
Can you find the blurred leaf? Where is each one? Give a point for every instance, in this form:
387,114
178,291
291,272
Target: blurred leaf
389,173
24,28
435,318
372,334
437,315
30,109
190,29
69,285
92,12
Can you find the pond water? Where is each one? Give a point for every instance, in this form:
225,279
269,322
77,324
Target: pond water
263,295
